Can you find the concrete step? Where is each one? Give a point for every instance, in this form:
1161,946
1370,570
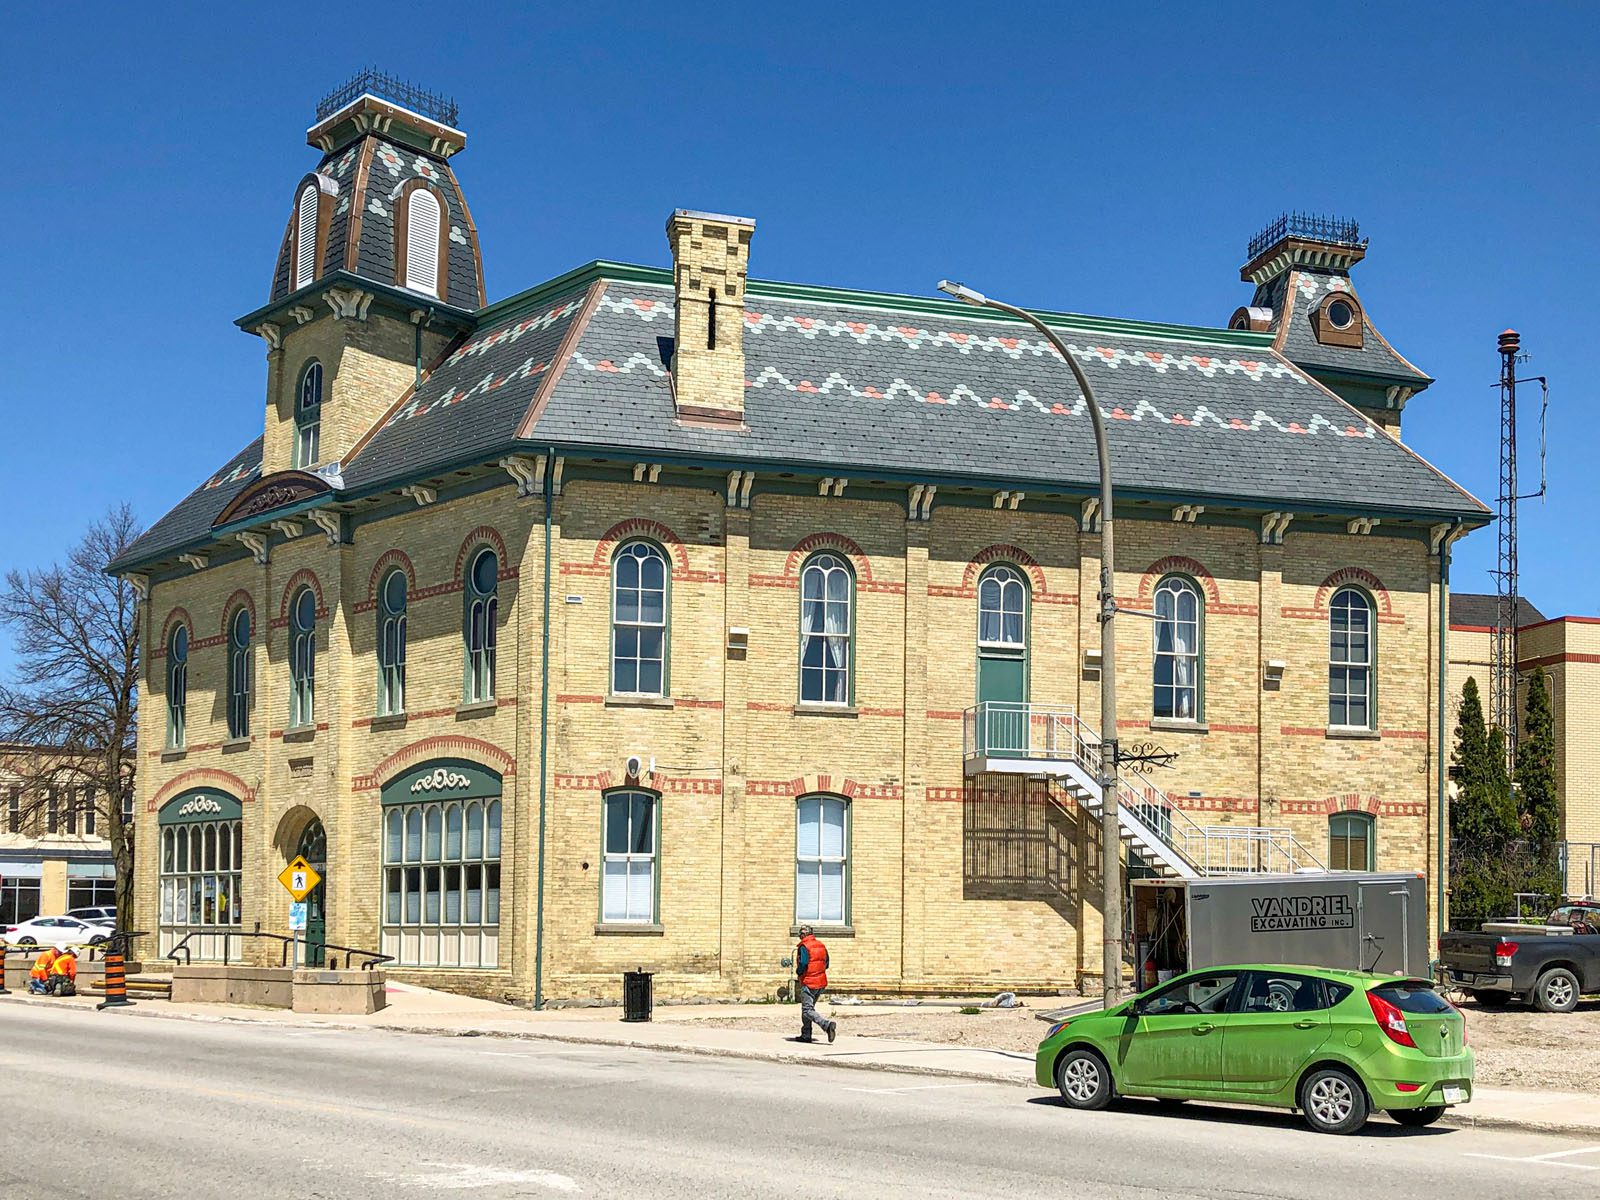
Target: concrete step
150,987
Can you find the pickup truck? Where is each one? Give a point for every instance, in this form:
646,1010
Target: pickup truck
1550,964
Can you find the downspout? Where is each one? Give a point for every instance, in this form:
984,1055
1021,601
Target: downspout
544,731
1442,854
419,324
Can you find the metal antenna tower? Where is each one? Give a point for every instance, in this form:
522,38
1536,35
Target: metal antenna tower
1503,678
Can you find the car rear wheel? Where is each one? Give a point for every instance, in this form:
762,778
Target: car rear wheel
1084,1079
27,941
1556,991
1333,1101
1416,1118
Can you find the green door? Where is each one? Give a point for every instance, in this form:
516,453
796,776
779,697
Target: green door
1177,1045
1003,694
1276,1031
314,849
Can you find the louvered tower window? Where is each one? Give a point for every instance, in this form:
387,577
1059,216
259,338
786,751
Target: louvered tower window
423,221
305,246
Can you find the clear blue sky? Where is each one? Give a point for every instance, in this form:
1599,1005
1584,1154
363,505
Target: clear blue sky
1108,159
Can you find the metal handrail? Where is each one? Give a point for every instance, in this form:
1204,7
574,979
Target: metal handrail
372,957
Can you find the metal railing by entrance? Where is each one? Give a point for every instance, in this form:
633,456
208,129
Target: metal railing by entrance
1053,741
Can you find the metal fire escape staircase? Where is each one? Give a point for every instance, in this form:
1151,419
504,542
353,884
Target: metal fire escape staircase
1055,744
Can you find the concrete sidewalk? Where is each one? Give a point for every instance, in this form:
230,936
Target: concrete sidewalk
420,1010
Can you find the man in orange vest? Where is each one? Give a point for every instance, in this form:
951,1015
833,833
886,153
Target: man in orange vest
39,973
64,973
811,968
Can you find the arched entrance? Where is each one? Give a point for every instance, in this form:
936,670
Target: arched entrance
313,848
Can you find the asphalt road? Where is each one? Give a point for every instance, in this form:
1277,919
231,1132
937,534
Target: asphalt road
117,1104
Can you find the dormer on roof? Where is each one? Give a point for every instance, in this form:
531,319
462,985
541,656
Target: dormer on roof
1300,265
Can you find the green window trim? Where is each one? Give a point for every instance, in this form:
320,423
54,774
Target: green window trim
480,625
1342,701
393,601
1178,586
828,566
240,673
635,635
1352,842
821,858
177,686
302,659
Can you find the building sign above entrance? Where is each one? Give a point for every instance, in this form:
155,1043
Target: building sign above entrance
190,808
443,779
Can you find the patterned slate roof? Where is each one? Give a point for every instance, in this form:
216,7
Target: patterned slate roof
855,390
191,520
389,168
1476,609
1293,295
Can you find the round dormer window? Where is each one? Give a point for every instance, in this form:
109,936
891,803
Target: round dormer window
1340,314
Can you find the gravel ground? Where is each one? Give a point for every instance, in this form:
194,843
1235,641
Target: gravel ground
1516,1048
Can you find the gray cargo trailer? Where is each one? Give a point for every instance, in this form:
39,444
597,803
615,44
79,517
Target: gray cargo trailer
1354,920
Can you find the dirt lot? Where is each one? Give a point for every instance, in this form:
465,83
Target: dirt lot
1516,1048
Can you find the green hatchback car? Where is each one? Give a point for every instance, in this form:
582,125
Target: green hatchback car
1333,1044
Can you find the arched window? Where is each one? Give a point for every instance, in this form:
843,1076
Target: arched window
177,685
1179,613
302,658
628,858
239,671
308,417
1352,844
639,579
392,644
424,223
826,587
305,242
1351,657
482,616
821,858
1002,608
441,905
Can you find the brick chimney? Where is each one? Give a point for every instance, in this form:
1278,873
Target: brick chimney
710,257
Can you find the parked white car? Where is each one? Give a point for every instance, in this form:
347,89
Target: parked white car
95,916
47,931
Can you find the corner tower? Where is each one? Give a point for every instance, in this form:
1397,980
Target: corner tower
1300,266
378,270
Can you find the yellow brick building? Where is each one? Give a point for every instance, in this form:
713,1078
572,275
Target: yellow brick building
639,617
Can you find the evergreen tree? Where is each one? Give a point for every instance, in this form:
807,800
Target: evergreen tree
1538,807
1484,810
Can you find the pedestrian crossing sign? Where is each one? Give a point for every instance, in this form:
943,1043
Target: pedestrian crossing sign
298,879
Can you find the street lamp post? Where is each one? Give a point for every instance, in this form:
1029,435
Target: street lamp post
1110,831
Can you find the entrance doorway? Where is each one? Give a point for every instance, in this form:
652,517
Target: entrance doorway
1003,690
314,849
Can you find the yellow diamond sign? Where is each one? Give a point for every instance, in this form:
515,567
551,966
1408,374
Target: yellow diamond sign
298,879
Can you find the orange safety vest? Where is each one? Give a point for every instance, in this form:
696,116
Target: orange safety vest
816,974
42,964
66,964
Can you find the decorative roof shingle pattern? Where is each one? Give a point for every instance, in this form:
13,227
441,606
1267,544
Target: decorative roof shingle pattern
191,520
1296,296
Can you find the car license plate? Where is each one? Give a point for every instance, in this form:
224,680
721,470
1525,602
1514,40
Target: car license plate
1454,1095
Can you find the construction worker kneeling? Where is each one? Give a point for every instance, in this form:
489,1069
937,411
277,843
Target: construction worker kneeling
54,973
39,973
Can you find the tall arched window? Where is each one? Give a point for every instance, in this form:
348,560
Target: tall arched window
826,596
1352,842
239,670
424,225
302,658
639,579
1351,657
308,417
821,858
1002,608
305,242
482,616
1179,613
392,644
628,858
177,685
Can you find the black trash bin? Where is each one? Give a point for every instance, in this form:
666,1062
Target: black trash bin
636,998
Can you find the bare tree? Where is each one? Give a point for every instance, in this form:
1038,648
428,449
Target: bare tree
69,712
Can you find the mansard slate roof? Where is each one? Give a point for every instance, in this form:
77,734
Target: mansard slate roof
867,385
1293,295
370,174
1479,611
190,522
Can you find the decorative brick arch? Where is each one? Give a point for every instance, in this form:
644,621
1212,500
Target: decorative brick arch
1001,553
200,777
1179,564
1351,803
637,527
822,785
240,599
813,543
1365,580
178,616
304,577
483,535
449,745
387,560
